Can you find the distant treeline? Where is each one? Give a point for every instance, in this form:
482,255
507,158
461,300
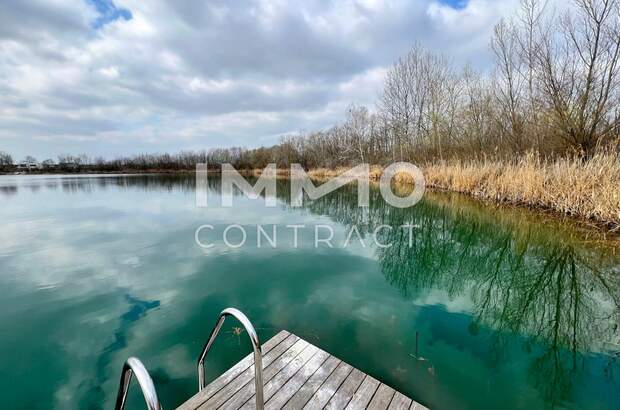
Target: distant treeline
554,90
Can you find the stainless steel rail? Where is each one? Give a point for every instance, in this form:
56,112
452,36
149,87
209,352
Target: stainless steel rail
135,366
258,356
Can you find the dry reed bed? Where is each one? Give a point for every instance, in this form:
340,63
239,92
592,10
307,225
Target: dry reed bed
323,173
588,189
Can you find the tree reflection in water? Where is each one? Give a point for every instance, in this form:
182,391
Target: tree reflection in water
554,288
537,281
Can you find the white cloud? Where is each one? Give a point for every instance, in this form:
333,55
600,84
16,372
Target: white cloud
109,72
181,75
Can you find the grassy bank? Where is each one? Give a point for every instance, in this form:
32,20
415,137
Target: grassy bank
588,190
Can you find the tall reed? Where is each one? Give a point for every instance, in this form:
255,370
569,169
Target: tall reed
587,189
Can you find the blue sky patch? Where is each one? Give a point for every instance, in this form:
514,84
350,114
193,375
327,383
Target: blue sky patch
455,4
108,12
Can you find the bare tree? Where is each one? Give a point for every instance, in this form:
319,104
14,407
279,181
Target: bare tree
509,84
532,22
357,129
579,72
5,159
476,116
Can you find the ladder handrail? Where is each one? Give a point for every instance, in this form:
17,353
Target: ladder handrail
135,366
256,346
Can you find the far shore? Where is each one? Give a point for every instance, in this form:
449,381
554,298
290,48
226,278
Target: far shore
585,191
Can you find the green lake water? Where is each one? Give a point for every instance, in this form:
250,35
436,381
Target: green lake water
510,309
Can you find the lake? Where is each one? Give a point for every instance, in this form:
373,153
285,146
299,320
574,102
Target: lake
474,307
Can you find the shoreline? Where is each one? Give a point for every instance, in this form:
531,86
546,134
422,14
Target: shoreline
586,192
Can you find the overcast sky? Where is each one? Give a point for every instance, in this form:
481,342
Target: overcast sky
132,76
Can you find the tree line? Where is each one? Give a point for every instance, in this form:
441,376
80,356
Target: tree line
554,89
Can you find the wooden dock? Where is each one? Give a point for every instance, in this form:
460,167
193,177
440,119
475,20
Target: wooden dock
298,375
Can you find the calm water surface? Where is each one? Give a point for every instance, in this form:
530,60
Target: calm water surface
511,310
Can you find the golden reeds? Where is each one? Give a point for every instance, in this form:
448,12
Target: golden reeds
587,189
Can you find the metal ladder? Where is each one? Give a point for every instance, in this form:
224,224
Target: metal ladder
135,366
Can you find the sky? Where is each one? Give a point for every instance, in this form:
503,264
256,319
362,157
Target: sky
121,77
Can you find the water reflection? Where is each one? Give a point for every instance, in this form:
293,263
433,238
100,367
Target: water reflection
8,190
94,393
552,286
10,185
535,282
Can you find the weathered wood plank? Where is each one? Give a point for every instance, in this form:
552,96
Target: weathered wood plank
299,400
236,370
298,375
346,391
247,377
382,398
327,390
284,375
248,390
295,383
400,402
364,394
